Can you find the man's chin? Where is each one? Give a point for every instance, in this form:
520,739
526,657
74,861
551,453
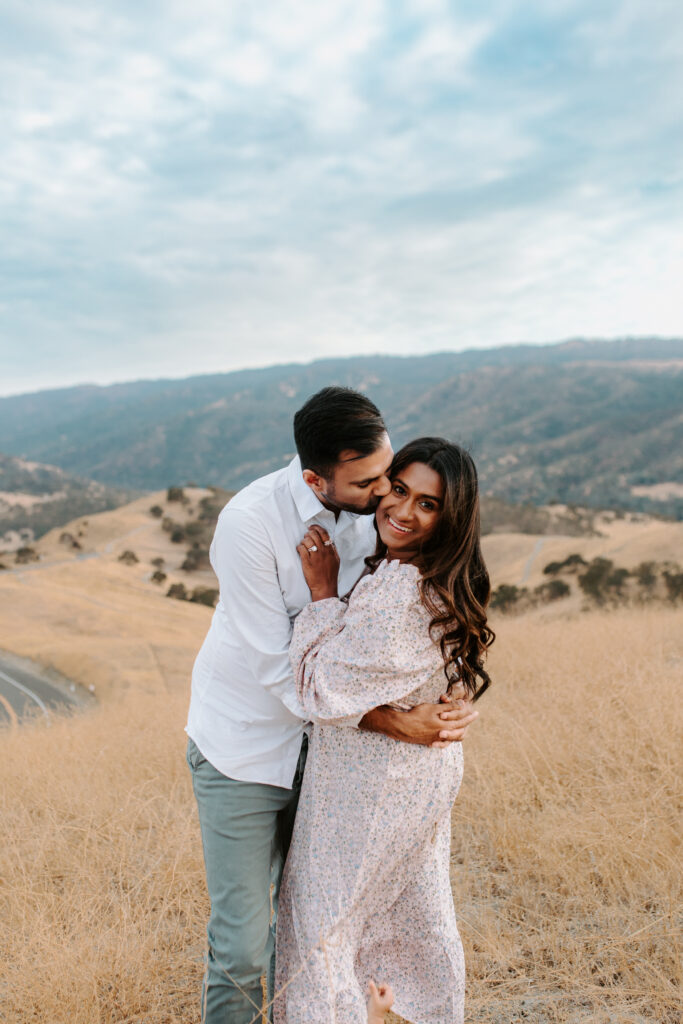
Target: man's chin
369,510
364,510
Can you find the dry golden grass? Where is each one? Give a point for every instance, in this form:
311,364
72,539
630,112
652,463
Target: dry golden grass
565,858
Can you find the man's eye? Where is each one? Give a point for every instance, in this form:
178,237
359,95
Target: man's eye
398,489
363,486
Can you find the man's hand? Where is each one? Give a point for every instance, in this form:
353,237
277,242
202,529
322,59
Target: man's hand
431,725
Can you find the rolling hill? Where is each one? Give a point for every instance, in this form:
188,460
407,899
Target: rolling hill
36,497
583,422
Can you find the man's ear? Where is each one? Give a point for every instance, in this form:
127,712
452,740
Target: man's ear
312,479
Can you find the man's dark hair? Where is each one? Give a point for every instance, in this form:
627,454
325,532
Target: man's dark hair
332,421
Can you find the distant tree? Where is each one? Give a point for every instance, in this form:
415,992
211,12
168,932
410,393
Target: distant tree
25,555
196,558
156,511
128,557
69,541
158,576
178,591
505,597
646,575
553,590
552,568
574,560
205,595
570,564
194,529
616,580
175,494
674,585
593,581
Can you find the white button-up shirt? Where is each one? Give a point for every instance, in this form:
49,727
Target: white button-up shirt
244,714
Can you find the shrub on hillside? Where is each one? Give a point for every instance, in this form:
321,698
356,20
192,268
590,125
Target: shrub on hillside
570,564
175,494
156,511
196,558
177,590
674,585
205,595
158,576
25,555
194,530
69,541
646,575
177,535
593,581
553,590
506,596
128,557
159,562
603,582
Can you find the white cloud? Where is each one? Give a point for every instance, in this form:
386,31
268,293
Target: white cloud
192,188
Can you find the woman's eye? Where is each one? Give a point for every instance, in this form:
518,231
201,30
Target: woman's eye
398,489
427,505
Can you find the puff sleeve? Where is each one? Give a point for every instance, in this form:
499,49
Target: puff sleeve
377,650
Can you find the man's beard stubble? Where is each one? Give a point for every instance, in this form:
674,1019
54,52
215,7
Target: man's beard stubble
330,498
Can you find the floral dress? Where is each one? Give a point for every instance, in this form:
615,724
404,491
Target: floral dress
366,892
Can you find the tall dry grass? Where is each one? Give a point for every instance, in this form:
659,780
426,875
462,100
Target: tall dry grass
565,870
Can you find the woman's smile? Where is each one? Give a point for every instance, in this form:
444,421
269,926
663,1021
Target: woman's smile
396,526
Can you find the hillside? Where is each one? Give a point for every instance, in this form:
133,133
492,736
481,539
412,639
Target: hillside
565,844
35,497
98,586
593,423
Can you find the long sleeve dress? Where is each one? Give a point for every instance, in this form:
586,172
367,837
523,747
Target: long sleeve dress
365,891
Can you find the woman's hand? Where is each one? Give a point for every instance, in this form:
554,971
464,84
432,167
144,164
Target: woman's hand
320,563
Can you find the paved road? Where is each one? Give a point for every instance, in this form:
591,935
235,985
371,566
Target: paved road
25,692
538,547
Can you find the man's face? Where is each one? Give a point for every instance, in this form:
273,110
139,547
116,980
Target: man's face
358,483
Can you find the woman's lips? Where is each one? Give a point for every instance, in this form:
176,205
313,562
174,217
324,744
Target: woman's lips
402,530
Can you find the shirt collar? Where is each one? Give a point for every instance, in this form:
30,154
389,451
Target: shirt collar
307,504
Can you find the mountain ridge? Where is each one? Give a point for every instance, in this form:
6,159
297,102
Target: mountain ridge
583,422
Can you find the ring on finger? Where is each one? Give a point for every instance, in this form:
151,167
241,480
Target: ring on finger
313,548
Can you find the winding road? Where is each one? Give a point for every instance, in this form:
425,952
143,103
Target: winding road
25,692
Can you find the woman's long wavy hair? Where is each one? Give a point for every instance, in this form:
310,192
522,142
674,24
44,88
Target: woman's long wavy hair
455,586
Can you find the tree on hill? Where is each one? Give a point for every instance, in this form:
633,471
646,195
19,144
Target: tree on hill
553,590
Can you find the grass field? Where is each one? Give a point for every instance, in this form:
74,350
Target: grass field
566,857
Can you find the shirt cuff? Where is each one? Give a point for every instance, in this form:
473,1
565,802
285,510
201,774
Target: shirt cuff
290,701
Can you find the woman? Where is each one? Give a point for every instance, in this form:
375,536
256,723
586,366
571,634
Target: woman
366,891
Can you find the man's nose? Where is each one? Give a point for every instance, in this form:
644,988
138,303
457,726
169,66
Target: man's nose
382,487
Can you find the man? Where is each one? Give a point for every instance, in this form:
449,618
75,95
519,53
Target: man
246,746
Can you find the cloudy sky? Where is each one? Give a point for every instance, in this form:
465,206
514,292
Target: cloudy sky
187,187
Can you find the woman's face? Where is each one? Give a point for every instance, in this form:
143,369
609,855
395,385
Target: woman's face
408,515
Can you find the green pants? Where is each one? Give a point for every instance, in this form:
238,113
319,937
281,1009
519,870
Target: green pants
246,829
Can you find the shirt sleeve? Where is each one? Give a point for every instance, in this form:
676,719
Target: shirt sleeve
243,559
377,651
